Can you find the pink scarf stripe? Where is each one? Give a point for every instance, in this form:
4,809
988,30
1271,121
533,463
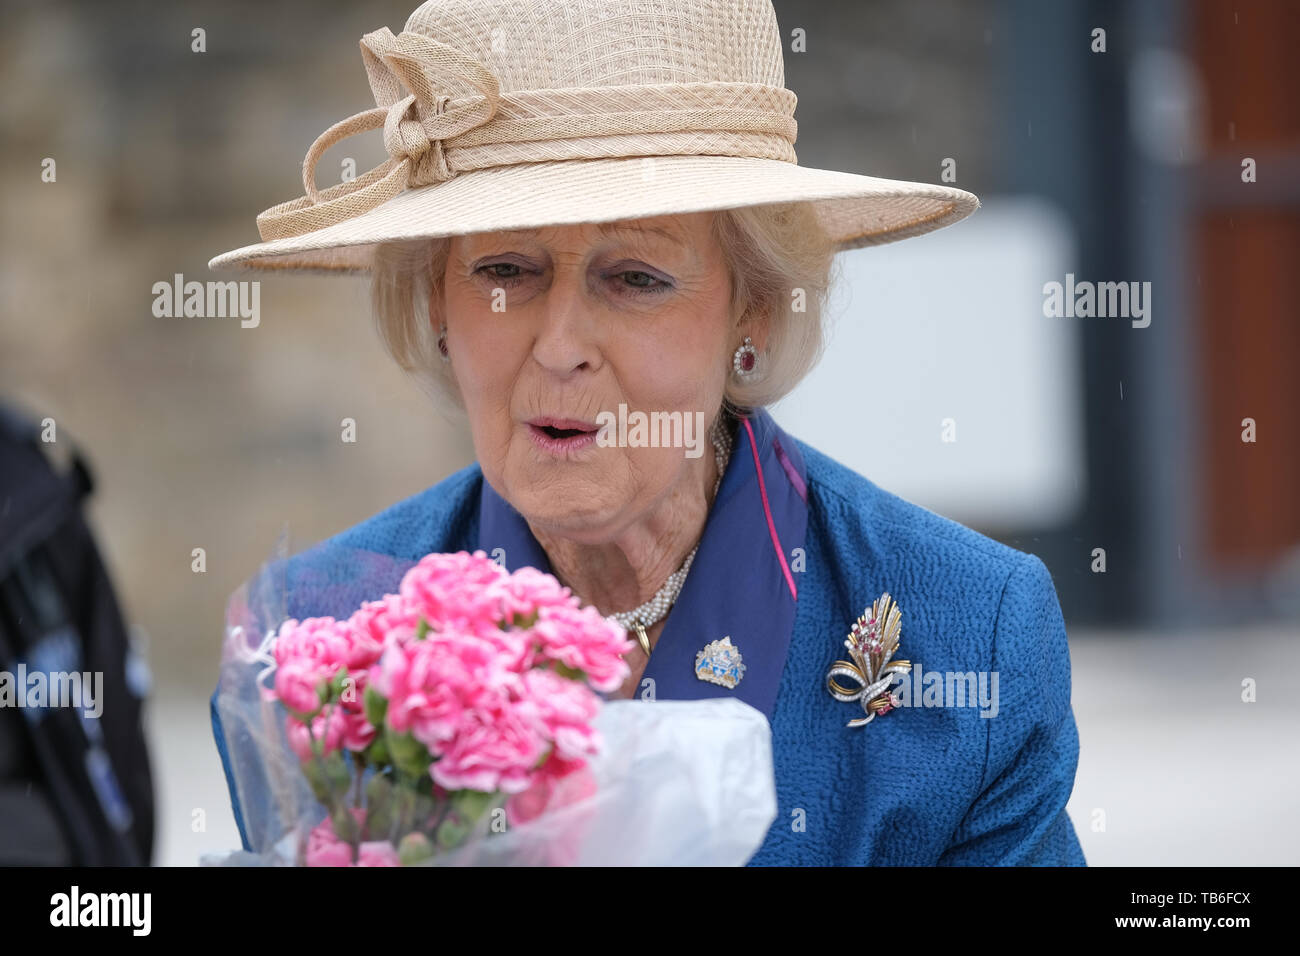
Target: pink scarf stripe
767,511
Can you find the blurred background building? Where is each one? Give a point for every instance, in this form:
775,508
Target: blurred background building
1112,156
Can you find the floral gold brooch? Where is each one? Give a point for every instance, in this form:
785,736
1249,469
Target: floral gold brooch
872,643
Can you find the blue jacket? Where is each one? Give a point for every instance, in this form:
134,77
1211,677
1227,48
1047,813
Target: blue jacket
795,548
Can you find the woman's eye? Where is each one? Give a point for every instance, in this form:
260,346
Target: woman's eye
502,271
640,281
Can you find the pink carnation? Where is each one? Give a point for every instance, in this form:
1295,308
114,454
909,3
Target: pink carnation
495,746
297,683
430,683
355,732
337,727
367,629
513,649
581,638
327,730
377,853
558,784
528,590
319,642
454,589
310,653
326,848
564,710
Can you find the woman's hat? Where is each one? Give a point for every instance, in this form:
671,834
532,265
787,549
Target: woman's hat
515,114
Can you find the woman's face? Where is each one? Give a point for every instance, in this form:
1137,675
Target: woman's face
567,322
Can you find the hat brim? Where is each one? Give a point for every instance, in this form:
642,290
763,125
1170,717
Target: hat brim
856,210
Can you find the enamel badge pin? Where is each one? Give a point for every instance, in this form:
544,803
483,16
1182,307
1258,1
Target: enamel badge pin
720,663
872,643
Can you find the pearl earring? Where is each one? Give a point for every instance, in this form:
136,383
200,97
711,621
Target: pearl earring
745,359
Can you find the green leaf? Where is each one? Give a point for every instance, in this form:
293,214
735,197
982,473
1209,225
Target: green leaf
345,825
409,756
379,791
452,833
572,673
338,772
471,804
315,774
338,682
414,848
303,718
375,706
423,813
380,800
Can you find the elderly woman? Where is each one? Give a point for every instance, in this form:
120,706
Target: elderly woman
592,211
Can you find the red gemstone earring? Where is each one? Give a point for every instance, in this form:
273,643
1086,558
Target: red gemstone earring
442,344
745,359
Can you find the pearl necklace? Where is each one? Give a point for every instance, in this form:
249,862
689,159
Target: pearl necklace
656,609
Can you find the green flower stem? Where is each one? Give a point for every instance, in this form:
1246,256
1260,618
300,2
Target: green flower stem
442,815
332,803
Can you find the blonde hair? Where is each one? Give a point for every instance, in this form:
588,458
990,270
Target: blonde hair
779,256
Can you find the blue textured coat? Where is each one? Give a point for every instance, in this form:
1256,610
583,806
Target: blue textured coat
796,547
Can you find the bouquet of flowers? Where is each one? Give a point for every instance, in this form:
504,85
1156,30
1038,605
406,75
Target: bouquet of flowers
457,721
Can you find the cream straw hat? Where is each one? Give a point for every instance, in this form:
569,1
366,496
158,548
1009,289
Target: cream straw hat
511,114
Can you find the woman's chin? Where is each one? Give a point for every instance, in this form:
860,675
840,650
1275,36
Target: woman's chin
575,511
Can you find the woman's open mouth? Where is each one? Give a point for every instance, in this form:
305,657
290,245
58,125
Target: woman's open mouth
561,436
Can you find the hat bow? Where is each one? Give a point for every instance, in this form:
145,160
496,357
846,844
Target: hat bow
405,74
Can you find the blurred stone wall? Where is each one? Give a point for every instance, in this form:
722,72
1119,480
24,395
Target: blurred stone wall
891,87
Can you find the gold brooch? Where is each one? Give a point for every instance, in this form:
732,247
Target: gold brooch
872,643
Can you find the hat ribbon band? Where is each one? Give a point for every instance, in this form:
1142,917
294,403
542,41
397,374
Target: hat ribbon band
495,129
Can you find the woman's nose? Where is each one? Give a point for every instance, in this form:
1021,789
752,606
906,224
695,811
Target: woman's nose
567,327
